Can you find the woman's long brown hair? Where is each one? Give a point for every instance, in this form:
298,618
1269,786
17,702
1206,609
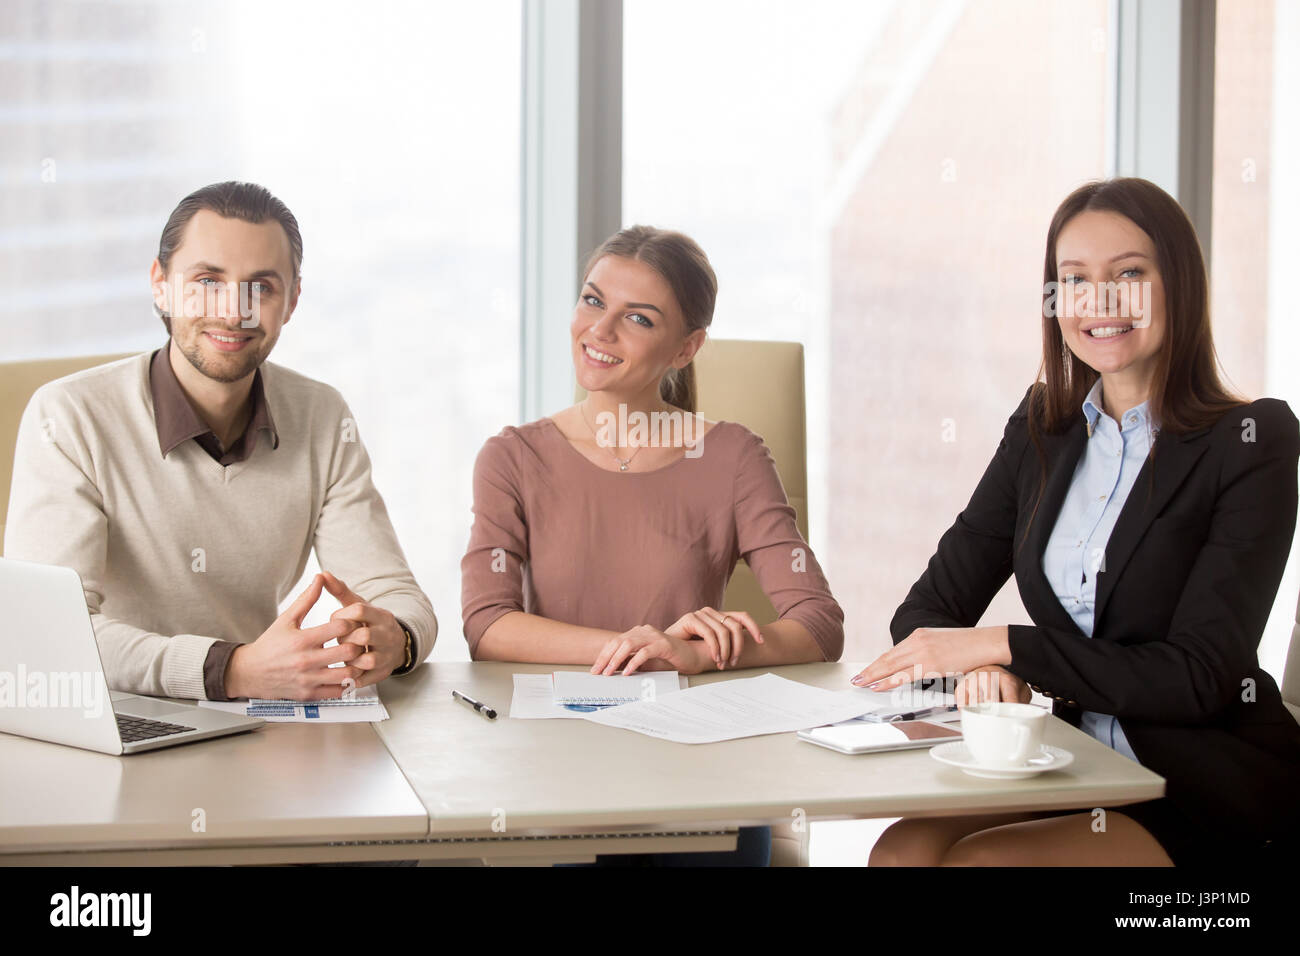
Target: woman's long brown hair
1186,391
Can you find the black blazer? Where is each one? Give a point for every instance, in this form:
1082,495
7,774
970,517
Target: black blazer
1190,573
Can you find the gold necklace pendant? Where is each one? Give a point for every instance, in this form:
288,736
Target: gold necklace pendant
622,462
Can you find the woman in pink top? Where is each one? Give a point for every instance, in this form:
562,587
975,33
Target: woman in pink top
606,534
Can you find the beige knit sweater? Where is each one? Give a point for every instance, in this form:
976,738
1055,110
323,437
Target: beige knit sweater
177,552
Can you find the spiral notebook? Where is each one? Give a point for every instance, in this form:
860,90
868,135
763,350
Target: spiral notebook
362,706
576,690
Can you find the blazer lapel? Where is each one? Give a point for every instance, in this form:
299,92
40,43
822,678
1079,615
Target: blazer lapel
1063,453
1161,475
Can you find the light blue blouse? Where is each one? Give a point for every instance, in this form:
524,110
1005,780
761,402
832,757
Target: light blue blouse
1112,458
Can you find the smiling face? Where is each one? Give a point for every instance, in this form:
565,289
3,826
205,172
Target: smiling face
628,329
1113,299
201,292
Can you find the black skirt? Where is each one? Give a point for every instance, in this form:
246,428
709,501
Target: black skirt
1189,843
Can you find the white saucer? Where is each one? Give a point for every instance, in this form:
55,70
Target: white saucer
956,754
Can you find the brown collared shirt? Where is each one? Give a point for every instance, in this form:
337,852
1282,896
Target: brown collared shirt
178,422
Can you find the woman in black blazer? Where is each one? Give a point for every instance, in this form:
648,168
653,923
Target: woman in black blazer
1150,644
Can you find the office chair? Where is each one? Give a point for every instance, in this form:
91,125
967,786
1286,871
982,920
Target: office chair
761,386
1291,672
18,381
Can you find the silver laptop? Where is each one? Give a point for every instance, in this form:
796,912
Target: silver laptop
52,684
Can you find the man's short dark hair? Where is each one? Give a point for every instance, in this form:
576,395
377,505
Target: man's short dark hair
233,200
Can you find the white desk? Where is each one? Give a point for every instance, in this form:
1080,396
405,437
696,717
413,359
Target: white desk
267,796
534,777
460,787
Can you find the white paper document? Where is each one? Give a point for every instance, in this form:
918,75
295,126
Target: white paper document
363,706
574,694
729,709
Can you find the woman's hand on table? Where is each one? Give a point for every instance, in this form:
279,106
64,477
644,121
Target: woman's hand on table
648,648
936,652
722,631
991,683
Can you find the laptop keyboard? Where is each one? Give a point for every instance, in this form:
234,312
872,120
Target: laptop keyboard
133,729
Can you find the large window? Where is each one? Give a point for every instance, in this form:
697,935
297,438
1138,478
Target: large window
391,130
1255,236
874,180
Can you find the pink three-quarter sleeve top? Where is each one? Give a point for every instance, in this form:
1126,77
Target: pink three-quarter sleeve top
558,536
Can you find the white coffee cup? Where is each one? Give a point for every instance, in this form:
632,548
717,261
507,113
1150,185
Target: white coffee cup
1003,734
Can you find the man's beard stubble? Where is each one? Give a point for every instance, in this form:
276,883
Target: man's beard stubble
239,366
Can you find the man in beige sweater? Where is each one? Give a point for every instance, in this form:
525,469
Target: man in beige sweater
188,486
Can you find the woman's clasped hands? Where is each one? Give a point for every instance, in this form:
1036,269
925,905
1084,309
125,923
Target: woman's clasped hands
697,641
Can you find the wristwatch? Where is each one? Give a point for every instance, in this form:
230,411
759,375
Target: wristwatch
410,646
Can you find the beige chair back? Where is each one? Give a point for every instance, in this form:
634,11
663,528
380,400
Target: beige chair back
18,380
761,386
1291,673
